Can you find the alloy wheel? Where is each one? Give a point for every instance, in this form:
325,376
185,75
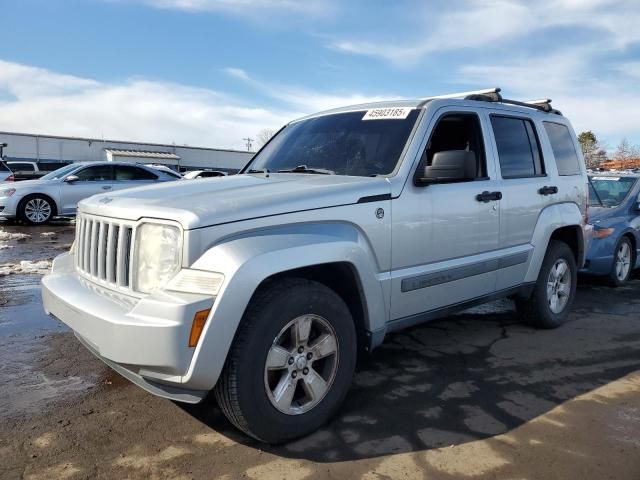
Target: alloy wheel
623,261
559,286
37,210
301,364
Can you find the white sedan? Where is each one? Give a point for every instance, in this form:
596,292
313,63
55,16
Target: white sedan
58,193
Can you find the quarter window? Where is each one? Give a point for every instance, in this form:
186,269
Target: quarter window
564,149
518,147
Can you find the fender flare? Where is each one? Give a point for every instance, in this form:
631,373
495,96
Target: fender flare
247,260
552,218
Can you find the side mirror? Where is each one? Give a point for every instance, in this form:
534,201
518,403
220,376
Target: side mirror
449,166
71,178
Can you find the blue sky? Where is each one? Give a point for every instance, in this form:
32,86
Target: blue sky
210,72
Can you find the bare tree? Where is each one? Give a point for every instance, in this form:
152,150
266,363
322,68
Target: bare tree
264,136
626,153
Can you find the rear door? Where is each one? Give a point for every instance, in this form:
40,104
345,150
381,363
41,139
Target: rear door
127,176
521,166
91,180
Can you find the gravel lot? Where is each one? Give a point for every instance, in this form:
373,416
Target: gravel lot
476,395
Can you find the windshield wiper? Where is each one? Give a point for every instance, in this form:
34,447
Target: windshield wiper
304,169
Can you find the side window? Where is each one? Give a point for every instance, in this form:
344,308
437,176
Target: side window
518,147
124,172
101,173
563,148
458,131
23,167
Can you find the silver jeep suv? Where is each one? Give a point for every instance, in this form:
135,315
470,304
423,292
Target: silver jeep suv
347,225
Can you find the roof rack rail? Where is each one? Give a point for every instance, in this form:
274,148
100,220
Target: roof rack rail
489,93
493,95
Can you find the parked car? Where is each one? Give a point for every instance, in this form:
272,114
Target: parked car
615,214
349,224
6,175
197,174
23,170
58,192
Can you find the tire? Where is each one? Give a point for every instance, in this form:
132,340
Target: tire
538,310
248,392
36,209
622,262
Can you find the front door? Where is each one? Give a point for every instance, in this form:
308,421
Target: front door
91,180
445,236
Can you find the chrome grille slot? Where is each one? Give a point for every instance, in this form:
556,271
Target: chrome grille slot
103,252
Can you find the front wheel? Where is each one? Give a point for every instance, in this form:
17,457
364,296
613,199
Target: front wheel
36,210
622,263
291,363
554,291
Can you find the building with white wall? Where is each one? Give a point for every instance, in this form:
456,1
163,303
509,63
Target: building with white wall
50,149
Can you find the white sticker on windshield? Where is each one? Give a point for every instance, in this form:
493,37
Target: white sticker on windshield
394,113
610,179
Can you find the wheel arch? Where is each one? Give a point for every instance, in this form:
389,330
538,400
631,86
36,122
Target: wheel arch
23,200
316,251
563,222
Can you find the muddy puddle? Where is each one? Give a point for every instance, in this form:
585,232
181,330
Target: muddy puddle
26,332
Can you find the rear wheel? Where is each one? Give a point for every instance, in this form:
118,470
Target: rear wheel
554,291
291,363
36,210
622,262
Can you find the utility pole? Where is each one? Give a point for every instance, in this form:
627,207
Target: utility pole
249,142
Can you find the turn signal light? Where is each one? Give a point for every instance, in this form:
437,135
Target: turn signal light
602,232
199,319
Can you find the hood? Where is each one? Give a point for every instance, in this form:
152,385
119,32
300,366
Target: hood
214,201
26,184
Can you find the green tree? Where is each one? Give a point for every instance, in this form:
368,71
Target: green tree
592,151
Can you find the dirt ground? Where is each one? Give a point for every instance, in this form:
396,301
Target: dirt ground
473,396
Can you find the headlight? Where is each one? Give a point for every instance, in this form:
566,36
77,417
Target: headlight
7,192
157,255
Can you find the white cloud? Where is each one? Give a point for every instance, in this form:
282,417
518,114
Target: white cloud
304,99
42,101
246,7
480,23
605,106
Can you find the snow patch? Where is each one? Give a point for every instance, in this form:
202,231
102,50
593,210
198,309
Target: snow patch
48,234
25,266
6,236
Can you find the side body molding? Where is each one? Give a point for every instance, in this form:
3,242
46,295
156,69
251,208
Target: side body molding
552,218
246,260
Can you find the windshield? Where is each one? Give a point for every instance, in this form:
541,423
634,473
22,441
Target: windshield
59,173
4,168
353,143
609,191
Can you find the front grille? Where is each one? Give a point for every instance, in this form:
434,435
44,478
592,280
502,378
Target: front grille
103,250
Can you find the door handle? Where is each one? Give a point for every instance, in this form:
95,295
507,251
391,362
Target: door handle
106,187
487,197
548,190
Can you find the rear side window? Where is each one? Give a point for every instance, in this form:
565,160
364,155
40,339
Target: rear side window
23,167
124,172
563,148
518,147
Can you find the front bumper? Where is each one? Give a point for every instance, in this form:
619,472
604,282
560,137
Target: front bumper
8,206
144,339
